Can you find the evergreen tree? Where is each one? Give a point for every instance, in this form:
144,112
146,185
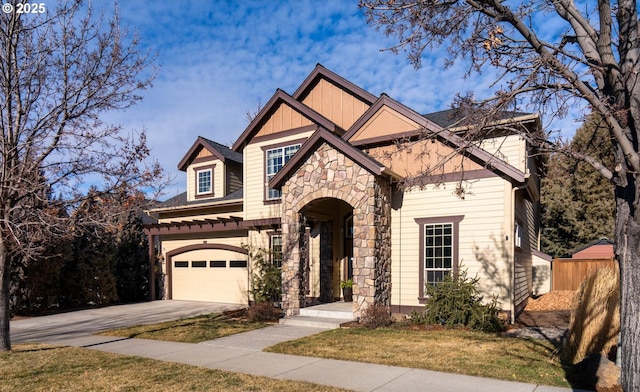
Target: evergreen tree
577,203
132,259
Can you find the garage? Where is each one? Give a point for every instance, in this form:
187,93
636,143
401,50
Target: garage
214,273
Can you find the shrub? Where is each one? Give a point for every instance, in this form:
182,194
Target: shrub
595,319
456,302
263,311
376,316
266,279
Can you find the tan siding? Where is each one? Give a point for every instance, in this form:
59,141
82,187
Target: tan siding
335,104
218,179
510,149
481,243
234,177
523,284
384,122
254,178
204,153
284,118
422,157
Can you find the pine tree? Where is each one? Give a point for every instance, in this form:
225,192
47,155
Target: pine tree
578,203
132,259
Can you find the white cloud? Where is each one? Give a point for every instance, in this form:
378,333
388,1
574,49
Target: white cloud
219,60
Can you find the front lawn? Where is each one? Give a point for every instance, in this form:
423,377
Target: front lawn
49,368
446,350
191,330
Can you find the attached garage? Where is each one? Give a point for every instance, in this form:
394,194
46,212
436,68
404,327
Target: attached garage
209,272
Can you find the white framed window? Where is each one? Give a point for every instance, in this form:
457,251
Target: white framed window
275,159
438,249
276,250
438,252
517,235
204,181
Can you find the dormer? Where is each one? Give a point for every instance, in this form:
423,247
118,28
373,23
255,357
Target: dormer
213,170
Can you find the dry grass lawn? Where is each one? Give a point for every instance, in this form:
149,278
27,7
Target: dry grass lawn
453,351
49,368
191,330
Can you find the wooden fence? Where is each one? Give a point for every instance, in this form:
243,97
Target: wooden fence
567,274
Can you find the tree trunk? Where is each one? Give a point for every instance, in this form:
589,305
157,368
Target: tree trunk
628,256
5,273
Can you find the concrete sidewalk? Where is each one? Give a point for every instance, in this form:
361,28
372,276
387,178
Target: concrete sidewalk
242,353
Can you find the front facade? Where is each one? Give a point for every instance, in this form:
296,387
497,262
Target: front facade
340,184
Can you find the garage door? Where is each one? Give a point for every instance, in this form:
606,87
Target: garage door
214,275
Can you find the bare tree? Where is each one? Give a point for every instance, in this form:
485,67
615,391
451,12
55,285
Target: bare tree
555,54
60,70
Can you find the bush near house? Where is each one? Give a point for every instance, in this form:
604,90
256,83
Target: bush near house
456,302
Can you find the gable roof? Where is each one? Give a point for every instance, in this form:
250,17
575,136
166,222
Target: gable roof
485,158
320,72
323,135
218,150
281,97
460,118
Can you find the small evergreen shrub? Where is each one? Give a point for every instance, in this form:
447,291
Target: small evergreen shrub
456,302
266,279
376,316
263,311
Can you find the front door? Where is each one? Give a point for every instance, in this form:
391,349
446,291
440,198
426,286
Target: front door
326,261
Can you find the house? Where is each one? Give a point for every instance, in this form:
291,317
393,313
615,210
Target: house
333,181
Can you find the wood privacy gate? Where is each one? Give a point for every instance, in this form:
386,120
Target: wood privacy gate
567,274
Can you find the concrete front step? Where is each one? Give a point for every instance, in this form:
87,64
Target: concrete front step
315,322
336,314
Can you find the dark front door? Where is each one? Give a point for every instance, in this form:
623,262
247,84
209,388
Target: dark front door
326,261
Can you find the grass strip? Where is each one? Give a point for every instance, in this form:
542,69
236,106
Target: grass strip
190,330
452,351
35,367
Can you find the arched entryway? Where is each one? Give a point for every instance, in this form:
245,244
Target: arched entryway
322,182
327,246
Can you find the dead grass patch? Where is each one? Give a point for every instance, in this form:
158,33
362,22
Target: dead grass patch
191,330
50,368
446,350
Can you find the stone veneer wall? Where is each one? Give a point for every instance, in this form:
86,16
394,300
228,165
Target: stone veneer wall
327,173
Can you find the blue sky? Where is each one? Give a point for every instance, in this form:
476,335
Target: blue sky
219,60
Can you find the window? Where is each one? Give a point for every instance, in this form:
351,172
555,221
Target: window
198,264
204,181
438,252
438,249
276,250
517,235
275,159
181,264
218,263
238,263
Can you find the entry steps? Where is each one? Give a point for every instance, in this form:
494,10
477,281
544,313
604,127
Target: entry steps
326,316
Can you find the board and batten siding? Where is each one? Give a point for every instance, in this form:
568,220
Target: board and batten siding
481,242
218,179
335,104
255,178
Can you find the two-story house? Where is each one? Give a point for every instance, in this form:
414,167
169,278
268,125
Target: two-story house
341,184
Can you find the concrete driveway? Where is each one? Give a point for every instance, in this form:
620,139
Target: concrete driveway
61,327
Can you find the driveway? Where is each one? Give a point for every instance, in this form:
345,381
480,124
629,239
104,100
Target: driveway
65,326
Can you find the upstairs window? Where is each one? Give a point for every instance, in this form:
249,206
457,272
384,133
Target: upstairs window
204,181
275,159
